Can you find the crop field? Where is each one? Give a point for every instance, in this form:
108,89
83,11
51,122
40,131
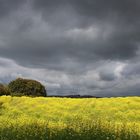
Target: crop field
40,118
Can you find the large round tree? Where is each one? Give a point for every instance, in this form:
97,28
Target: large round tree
27,87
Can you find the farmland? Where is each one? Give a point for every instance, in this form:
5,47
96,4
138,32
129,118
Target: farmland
41,118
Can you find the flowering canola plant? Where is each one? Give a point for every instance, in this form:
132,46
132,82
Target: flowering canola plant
43,118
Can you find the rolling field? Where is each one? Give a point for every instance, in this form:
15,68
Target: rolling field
26,118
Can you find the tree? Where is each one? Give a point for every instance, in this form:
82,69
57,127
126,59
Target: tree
27,87
4,90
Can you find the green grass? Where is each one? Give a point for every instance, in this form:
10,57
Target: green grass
26,118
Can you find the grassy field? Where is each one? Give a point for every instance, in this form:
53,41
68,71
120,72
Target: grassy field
26,118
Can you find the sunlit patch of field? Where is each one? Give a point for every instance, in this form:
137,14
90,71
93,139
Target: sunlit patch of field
26,118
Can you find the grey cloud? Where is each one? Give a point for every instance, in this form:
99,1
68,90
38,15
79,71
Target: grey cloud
119,43
8,6
89,45
107,76
132,69
123,15
93,7
60,83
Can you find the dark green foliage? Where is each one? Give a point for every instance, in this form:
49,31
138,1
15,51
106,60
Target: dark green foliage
4,90
27,87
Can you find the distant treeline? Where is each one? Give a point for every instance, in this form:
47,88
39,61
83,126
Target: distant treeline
74,96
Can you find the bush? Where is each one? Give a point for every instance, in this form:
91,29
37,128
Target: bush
4,90
27,87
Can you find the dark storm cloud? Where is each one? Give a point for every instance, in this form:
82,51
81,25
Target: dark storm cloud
93,8
107,76
122,15
8,6
84,44
121,18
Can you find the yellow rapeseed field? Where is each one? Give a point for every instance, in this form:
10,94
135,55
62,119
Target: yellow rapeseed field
40,118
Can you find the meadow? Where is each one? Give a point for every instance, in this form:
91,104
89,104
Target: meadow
41,118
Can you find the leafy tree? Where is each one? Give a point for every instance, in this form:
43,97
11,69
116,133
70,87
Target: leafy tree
27,87
4,90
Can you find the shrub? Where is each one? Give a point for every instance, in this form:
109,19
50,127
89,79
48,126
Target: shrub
27,87
4,90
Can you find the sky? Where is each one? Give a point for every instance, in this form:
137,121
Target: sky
87,47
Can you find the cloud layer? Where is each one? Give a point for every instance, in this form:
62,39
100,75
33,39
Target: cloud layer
72,46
